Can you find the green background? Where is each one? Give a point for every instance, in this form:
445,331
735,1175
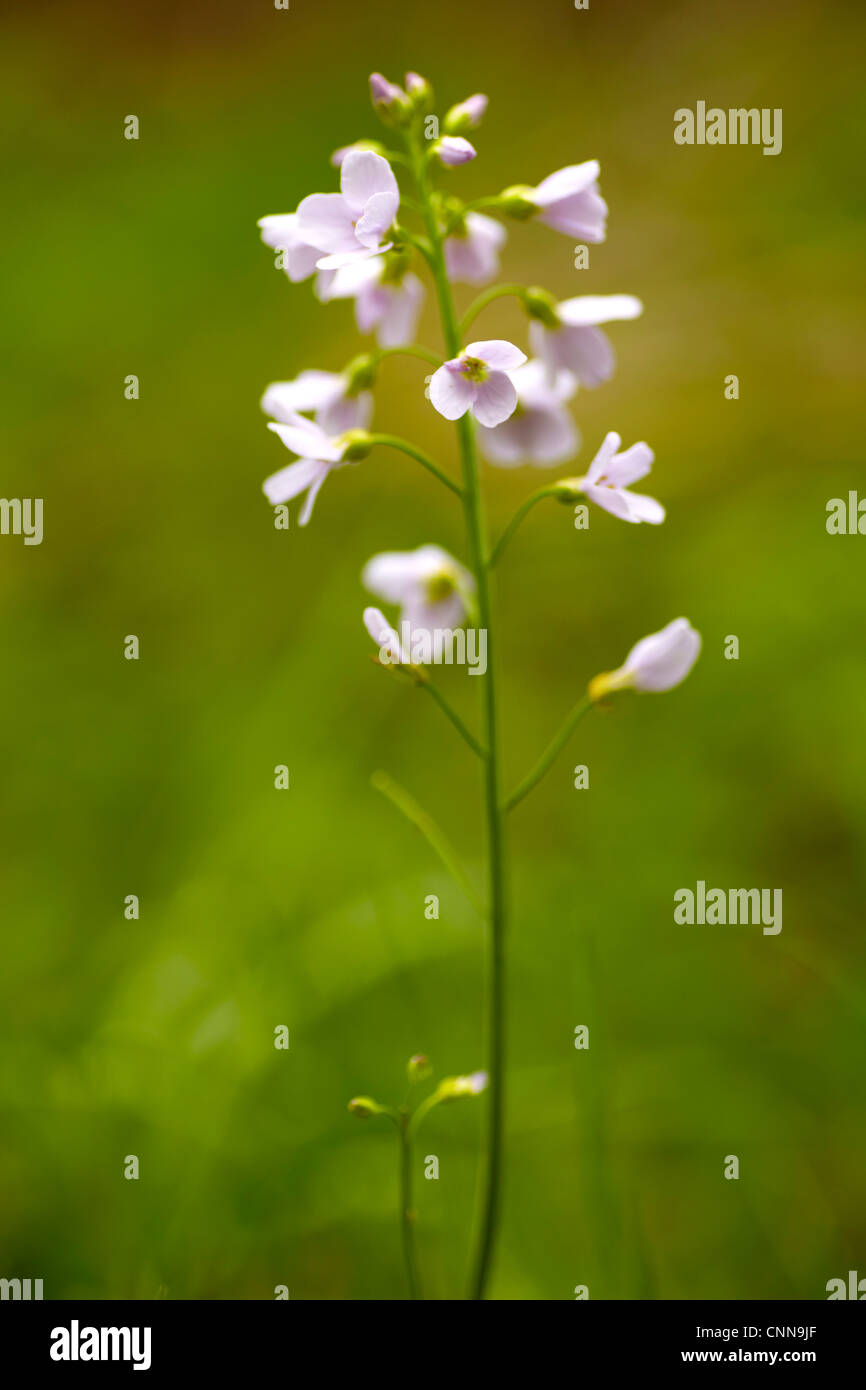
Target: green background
306,907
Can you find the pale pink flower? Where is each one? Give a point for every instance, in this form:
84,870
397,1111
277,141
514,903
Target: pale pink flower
280,231
473,257
570,202
466,114
349,225
478,380
579,345
388,308
431,587
609,476
318,454
541,431
324,393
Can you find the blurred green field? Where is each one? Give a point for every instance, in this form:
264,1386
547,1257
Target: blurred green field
306,907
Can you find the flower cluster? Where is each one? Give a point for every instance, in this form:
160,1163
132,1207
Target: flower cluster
365,243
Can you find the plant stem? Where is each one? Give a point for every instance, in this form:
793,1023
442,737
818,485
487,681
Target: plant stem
391,441
413,350
408,1215
477,541
488,296
553,748
453,716
515,521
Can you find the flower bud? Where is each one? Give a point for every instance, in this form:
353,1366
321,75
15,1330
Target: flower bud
364,1107
453,1087
419,1068
568,490
390,102
419,91
465,115
356,445
517,202
656,663
453,150
540,304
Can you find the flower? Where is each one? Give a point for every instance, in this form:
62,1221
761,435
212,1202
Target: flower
319,454
433,590
453,149
465,114
455,1086
383,304
541,430
478,380
569,201
383,634
658,662
472,251
349,225
608,478
390,102
281,232
326,393
579,345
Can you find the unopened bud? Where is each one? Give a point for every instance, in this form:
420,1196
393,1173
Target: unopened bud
419,91
456,1086
356,445
390,102
465,115
361,374
365,1107
418,1067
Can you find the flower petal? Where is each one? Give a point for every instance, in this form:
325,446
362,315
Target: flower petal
599,308
630,465
308,440
379,214
363,174
599,466
495,399
292,480
498,353
324,220
450,393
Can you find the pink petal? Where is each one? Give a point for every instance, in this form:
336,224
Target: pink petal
495,399
566,182
308,440
598,308
379,214
450,393
324,220
310,500
498,353
612,501
598,467
634,463
587,352
341,260
363,175
643,508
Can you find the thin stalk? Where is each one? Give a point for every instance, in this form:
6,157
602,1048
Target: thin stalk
550,753
408,1215
515,521
477,542
391,441
413,350
453,716
487,297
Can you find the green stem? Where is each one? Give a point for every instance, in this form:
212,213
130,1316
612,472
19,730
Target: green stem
476,534
515,521
550,753
391,441
497,292
408,1215
453,716
414,350
417,816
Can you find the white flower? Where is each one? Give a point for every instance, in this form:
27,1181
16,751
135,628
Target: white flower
349,225
281,232
579,345
318,455
325,393
608,478
431,587
570,202
388,307
391,652
656,663
472,256
541,430
478,380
